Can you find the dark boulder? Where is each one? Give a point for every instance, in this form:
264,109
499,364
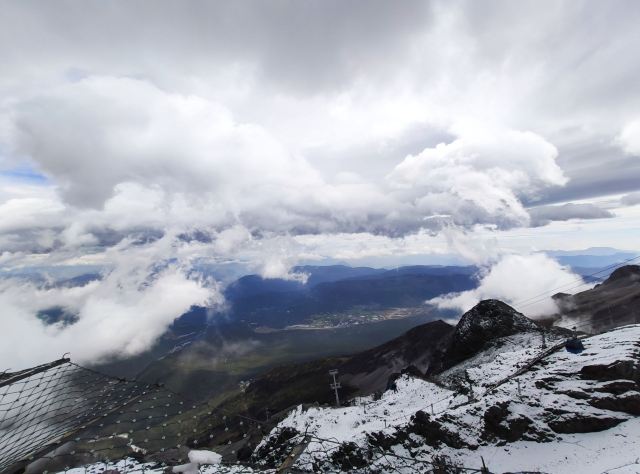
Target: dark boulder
626,403
583,423
622,369
574,345
618,387
487,321
500,423
432,431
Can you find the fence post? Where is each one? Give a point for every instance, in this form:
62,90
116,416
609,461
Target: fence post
484,469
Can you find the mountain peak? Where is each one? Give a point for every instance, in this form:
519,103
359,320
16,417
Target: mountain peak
486,321
628,271
489,316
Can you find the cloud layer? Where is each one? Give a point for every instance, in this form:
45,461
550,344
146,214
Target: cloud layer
545,214
257,136
136,154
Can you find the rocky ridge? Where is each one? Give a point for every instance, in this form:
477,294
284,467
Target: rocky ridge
610,304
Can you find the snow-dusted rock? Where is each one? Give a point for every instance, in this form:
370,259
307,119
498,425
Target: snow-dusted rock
204,457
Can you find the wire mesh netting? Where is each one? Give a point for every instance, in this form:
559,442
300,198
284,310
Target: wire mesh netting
61,417
63,411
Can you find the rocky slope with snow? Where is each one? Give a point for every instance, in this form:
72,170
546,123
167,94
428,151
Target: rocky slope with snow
490,391
614,302
568,413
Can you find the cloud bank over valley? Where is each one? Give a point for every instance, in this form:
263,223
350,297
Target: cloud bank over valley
148,142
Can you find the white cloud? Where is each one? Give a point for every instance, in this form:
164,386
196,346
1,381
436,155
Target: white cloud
479,178
125,154
119,316
94,134
629,138
526,282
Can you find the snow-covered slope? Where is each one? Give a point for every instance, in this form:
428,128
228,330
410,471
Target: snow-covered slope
569,413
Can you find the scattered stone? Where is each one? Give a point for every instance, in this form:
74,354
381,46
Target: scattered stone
578,394
273,452
432,431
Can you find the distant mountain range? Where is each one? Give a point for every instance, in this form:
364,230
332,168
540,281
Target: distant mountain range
211,353
337,289
278,303
588,261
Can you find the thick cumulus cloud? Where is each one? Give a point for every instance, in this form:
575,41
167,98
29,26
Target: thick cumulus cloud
481,178
134,152
526,282
96,133
545,214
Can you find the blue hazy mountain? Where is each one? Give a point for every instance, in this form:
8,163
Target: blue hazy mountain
594,257
332,289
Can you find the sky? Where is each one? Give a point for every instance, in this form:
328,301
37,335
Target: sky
149,139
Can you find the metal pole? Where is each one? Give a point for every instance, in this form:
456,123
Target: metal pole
335,385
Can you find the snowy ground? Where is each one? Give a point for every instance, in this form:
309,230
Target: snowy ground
392,410
614,450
